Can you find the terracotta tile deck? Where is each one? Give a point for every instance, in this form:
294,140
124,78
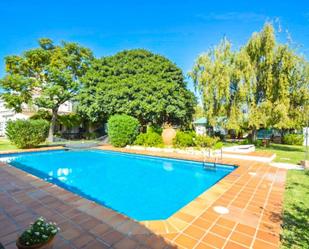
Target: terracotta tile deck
254,202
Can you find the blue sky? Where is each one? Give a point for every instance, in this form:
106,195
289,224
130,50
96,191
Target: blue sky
180,30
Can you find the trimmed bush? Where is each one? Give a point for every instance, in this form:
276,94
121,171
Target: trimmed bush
184,139
122,130
206,141
149,138
27,133
293,139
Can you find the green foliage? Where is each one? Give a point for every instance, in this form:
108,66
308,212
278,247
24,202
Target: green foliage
42,114
258,143
202,141
139,83
52,71
70,120
184,139
39,232
27,133
150,138
245,142
155,128
263,84
218,146
122,130
293,139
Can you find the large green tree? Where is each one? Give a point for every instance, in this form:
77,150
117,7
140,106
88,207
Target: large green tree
281,91
47,76
223,79
138,83
263,84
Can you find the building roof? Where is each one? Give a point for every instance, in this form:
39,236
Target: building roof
201,121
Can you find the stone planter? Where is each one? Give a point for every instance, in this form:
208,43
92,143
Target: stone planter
47,245
168,135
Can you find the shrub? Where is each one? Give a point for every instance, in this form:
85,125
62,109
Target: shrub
27,133
149,138
155,128
218,146
205,141
184,139
122,130
293,139
258,143
245,141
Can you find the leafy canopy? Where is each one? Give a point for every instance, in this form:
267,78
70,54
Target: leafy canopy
138,83
46,76
263,84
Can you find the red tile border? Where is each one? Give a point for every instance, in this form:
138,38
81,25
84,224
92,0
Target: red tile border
253,221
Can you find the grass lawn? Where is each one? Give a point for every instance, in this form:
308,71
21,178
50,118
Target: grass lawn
286,153
295,232
6,145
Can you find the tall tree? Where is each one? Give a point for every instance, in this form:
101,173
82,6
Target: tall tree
138,83
264,84
223,78
47,76
278,70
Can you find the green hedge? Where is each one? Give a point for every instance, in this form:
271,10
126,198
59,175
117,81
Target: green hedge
27,133
122,130
184,139
293,139
206,141
149,138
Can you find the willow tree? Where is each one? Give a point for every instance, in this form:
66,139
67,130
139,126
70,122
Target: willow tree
264,84
47,77
223,78
282,83
211,75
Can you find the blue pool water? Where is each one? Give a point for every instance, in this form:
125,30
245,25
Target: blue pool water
142,187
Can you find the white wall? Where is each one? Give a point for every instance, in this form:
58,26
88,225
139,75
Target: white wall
9,114
200,129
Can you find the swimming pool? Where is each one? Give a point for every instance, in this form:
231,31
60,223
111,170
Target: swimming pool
141,187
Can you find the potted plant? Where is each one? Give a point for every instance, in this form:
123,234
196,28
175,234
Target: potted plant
40,235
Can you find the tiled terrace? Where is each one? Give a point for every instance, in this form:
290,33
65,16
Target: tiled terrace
252,193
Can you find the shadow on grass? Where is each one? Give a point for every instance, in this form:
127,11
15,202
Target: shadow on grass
285,147
295,228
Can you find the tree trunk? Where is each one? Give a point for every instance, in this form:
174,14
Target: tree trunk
52,125
254,134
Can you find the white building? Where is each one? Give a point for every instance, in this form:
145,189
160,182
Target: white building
27,111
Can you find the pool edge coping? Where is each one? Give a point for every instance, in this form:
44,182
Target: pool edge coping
154,226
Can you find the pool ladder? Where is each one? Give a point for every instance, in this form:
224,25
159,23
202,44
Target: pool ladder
206,164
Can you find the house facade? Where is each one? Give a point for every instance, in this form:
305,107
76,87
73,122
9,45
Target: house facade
7,114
